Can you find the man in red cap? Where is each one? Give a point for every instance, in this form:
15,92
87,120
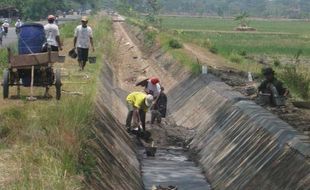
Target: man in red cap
151,86
52,34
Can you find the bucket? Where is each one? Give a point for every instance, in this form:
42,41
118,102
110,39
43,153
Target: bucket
264,99
204,69
150,151
279,101
92,60
72,53
61,59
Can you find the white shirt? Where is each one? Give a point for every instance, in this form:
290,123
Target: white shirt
51,31
154,88
5,25
83,36
1,32
18,24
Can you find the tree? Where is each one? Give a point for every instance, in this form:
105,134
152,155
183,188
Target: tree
242,18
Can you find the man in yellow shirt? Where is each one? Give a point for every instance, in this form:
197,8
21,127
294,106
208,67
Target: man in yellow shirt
138,103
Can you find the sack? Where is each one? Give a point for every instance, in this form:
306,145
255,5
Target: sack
72,53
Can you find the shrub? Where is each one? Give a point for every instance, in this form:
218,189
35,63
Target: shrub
296,81
243,53
3,59
175,44
276,63
206,43
236,58
149,38
213,49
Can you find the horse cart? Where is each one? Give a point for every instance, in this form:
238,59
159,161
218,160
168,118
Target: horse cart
31,67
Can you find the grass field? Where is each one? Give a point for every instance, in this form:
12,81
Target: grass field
275,39
271,37
192,23
42,142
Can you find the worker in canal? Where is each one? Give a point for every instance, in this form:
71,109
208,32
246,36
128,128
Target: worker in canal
138,104
83,39
159,109
151,86
272,87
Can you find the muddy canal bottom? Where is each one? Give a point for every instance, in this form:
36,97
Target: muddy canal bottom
171,167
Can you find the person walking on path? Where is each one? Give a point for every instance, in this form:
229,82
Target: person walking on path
18,24
52,35
1,34
6,26
83,39
53,43
138,104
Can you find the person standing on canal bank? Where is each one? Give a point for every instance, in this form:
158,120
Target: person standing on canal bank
83,39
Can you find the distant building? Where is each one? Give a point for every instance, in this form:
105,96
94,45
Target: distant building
9,12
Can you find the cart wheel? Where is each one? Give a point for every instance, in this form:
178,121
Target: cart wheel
6,75
58,84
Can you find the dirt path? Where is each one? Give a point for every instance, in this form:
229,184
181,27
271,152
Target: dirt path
133,66
206,57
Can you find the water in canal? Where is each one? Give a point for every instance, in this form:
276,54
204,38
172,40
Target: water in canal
172,167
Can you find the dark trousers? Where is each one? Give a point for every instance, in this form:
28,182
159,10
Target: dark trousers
142,114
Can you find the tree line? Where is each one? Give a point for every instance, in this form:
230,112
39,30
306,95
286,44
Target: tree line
259,8
34,9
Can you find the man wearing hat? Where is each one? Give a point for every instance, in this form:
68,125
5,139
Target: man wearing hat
83,39
52,34
138,104
271,85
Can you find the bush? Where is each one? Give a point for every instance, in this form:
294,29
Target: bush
213,49
149,38
276,63
175,44
243,53
236,58
297,81
3,59
206,44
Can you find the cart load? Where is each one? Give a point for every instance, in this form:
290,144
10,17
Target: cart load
31,67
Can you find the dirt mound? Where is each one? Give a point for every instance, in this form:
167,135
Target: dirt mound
244,28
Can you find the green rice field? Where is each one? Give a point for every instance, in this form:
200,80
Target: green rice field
273,37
